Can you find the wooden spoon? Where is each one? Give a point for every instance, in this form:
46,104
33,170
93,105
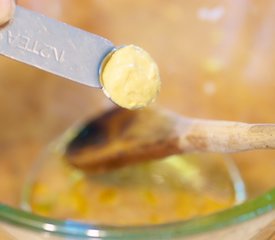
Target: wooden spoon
121,137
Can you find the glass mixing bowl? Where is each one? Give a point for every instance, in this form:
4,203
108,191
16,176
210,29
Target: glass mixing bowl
177,188
216,60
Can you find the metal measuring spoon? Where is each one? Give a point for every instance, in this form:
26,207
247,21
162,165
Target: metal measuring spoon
54,46
121,137
128,75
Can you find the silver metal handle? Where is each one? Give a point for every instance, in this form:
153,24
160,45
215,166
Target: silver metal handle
54,46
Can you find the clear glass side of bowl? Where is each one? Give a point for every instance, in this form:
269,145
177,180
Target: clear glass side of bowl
73,229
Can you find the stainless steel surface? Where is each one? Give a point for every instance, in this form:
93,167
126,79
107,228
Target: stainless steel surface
55,47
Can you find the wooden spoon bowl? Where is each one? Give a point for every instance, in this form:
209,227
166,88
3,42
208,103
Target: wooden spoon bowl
121,137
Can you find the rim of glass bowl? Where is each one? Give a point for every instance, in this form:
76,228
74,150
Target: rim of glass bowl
240,213
68,228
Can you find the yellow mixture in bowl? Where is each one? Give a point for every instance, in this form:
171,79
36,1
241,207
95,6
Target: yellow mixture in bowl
174,189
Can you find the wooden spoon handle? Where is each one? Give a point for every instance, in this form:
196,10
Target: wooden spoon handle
226,137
